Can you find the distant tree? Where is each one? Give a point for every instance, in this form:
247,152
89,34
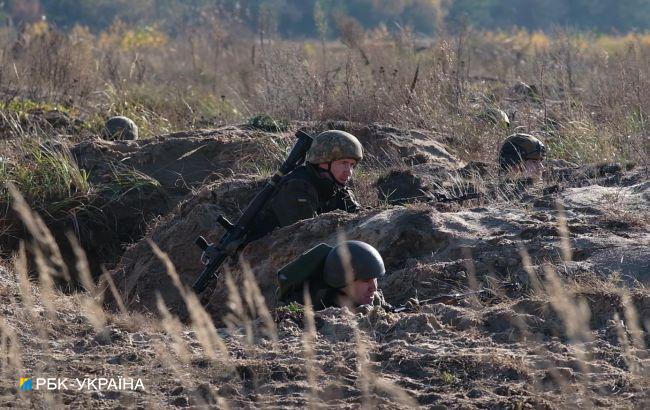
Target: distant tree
598,15
24,11
307,18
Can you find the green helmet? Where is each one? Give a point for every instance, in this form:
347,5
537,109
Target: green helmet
518,148
120,128
365,262
334,145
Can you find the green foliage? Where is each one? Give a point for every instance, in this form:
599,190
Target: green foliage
26,105
295,308
125,179
447,377
47,176
267,123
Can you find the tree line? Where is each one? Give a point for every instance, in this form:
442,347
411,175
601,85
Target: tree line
318,18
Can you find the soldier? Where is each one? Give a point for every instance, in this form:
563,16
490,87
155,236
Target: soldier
523,153
120,128
318,186
343,275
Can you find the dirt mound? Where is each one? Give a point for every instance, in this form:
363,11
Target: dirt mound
426,182
103,215
185,160
427,252
409,185
515,354
140,273
388,145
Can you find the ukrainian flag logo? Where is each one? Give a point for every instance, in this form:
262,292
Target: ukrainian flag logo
25,383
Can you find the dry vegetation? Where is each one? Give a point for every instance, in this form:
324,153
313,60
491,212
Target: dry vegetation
593,92
547,350
591,105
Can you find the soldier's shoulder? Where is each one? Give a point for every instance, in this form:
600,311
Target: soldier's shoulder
302,173
297,187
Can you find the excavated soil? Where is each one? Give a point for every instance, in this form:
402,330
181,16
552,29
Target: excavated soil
573,333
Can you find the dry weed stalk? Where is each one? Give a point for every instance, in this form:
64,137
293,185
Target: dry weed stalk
309,339
474,285
10,354
527,264
40,234
47,289
633,321
633,328
237,315
106,280
214,348
395,391
24,285
91,300
364,373
624,342
256,302
575,315
174,328
30,306
180,373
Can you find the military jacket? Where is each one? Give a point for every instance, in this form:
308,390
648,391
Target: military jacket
302,194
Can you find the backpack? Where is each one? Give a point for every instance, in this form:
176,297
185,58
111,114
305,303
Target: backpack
307,267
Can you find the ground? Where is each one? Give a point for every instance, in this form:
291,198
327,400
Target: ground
573,332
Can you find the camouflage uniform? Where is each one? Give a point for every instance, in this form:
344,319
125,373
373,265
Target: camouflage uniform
302,194
308,190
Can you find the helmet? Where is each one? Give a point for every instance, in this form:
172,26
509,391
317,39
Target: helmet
495,116
518,148
365,262
334,145
120,128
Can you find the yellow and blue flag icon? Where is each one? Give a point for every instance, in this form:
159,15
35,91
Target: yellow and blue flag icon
25,383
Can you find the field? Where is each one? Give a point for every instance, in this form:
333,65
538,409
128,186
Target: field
97,239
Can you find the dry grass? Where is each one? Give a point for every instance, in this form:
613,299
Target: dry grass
591,103
568,298
595,93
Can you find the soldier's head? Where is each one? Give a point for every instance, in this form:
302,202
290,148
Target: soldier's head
522,153
120,128
353,267
337,153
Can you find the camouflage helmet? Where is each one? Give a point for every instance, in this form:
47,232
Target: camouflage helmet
518,148
120,128
495,116
365,262
334,145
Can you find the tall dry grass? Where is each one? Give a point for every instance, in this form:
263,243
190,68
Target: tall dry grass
591,102
199,339
597,97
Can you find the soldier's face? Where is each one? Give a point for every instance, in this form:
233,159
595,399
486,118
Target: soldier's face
342,170
362,292
533,169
